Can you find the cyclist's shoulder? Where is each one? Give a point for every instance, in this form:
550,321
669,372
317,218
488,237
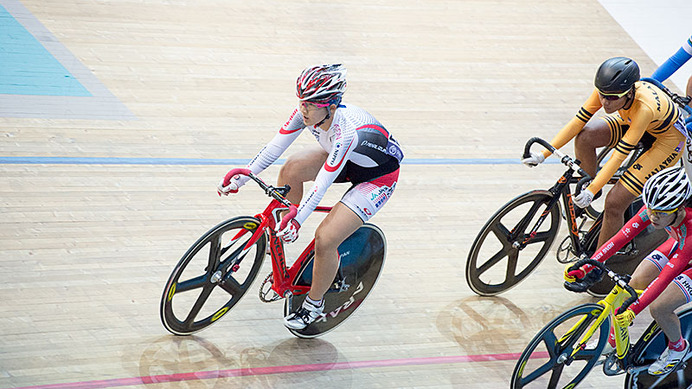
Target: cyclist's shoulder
649,97
352,117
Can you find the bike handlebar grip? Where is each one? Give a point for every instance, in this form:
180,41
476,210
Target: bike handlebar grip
234,172
631,300
527,147
589,261
581,182
292,212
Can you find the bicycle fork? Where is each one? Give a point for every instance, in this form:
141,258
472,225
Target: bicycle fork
568,356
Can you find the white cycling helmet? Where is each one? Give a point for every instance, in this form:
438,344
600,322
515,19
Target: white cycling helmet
323,84
667,189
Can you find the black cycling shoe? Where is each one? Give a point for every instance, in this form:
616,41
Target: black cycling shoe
580,286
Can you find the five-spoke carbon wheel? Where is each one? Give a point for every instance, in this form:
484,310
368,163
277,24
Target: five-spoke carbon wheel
505,252
212,276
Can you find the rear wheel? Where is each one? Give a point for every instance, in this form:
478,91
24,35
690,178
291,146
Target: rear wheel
361,259
547,360
212,276
494,264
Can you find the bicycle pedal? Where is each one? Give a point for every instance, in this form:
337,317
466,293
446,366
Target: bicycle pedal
612,365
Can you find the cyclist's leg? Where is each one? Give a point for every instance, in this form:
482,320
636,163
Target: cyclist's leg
664,152
358,205
299,168
651,266
678,293
594,135
663,308
618,199
339,224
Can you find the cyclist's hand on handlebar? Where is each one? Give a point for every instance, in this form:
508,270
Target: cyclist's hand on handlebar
573,275
290,233
534,160
230,185
583,199
625,319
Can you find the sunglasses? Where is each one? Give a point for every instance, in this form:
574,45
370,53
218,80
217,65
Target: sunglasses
612,96
658,213
307,104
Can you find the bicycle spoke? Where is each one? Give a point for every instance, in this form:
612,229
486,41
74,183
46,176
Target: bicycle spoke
551,344
192,283
492,261
502,234
198,305
512,260
546,367
231,286
214,253
555,377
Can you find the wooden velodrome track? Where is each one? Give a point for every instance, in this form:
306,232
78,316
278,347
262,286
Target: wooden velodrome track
101,193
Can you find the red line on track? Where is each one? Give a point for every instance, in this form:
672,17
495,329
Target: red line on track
257,371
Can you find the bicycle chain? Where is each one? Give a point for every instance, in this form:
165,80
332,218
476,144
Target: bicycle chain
266,288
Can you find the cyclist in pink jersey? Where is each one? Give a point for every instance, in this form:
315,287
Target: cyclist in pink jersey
666,272
353,147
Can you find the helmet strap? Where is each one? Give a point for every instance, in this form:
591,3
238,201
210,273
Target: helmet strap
680,214
630,100
329,110
325,118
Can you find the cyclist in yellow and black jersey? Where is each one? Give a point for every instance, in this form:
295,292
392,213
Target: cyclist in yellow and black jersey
636,111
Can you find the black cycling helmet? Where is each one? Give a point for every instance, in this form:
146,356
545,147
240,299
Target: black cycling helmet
616,75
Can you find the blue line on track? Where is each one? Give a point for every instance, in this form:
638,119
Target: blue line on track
243,162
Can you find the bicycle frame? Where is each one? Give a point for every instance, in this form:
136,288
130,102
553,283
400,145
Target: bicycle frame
283,277
622,295
562,191
622,338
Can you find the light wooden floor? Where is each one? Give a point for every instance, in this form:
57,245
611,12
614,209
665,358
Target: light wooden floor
85,249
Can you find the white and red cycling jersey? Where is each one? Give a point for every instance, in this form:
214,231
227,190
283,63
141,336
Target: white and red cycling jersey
672,257
360,150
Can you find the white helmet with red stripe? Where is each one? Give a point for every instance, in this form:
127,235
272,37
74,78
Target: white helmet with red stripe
323,84
667,190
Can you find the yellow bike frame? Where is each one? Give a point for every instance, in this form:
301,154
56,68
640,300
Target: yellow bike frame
622,337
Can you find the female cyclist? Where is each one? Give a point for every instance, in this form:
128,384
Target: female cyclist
637,111
666,272
353,147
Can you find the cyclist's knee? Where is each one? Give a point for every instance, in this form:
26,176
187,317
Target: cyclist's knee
593,135
660,308
290,168
325,242
617,200
297,169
